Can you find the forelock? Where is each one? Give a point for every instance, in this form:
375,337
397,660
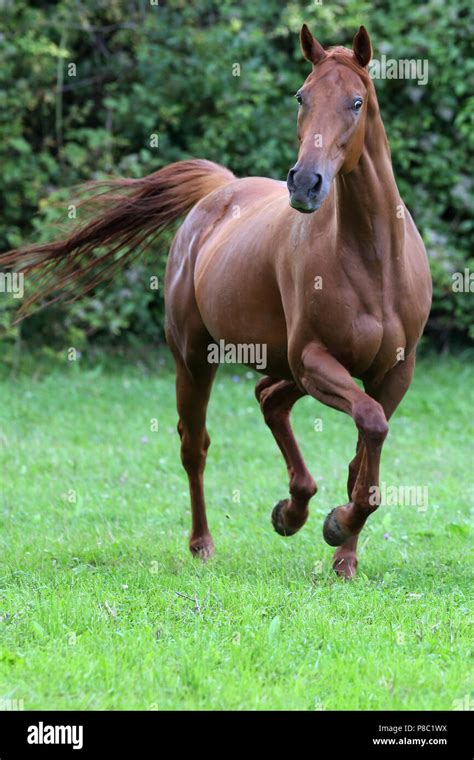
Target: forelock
343,55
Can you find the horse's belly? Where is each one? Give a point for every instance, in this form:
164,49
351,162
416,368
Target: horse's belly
242,311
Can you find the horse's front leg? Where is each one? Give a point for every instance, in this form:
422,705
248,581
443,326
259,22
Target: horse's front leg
389,392
322,376
345,561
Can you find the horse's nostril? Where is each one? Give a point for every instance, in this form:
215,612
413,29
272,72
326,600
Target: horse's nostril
317,184
290,179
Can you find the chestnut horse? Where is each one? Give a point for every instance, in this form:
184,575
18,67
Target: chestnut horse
335,295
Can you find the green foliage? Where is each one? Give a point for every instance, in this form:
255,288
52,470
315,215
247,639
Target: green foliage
169,70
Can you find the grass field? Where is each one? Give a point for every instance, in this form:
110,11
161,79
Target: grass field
103,607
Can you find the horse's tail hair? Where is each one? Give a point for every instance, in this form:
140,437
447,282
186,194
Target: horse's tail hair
127,214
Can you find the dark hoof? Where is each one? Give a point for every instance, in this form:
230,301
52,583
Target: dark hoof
332,531
202,549
278,522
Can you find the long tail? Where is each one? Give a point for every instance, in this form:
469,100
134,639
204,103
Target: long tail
133,212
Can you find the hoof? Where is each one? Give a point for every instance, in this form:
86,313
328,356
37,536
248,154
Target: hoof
345,566
333,534
202,548
278,520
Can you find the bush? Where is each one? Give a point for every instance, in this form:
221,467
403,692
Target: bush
167,70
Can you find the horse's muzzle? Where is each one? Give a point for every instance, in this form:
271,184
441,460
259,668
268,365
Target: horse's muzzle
306,189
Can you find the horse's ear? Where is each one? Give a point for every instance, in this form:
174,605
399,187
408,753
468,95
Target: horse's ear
362,47
312,50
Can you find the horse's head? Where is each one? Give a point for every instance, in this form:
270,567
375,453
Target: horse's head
331,118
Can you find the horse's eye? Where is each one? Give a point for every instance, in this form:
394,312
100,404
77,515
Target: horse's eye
357,104
299,98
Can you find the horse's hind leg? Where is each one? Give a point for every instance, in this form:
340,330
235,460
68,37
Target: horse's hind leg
276,399
193,389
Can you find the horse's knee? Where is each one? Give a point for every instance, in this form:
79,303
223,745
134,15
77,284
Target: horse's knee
194,451
263,384
193,458
370,419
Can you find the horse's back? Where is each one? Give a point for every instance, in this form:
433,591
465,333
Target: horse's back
223,258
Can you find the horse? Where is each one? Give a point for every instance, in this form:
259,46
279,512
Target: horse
327,271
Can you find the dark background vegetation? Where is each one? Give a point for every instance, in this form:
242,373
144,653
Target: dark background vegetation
167,70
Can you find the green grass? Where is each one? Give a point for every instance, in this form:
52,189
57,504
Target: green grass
102,607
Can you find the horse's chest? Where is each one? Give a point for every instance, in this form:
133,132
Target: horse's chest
364,334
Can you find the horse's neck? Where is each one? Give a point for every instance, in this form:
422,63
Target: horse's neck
367,201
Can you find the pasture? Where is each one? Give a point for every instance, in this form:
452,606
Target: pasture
103,607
